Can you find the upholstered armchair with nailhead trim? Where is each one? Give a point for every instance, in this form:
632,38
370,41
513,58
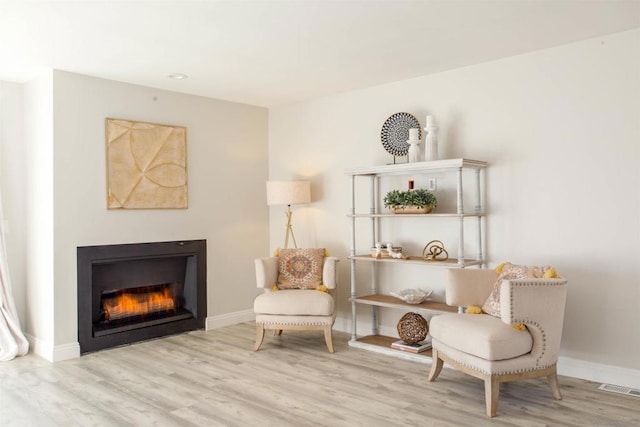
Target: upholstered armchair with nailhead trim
295,309
491,348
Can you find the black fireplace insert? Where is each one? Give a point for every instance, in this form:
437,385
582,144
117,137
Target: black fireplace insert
134,292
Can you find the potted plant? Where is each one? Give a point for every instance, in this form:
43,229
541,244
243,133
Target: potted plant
412,201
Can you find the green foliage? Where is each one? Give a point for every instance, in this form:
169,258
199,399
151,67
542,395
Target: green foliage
419,198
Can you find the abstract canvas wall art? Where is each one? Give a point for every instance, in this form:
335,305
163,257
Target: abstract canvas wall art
146,165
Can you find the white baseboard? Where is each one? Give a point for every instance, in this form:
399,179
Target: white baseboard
40,347
66,351
228,319
48,351
598,372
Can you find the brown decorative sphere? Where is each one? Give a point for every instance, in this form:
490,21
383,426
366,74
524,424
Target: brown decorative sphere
413,328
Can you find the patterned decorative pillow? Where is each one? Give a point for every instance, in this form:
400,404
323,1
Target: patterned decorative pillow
300,268
509,272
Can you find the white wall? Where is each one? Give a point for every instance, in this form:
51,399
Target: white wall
38,132
66,196
560,130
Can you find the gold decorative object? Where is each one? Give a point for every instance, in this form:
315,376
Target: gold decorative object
413,328
435,251
146,165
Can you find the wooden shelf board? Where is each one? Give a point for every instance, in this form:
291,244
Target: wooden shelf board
393,302
382,344
451,262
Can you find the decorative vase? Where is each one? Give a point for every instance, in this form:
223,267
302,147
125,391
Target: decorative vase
414,145
431,140
414,151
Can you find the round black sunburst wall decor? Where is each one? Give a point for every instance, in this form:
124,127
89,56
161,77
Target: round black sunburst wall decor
395,133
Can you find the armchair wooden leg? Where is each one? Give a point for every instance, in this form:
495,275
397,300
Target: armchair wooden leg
277,332
436,365
491,393
328,338
259,336
552,380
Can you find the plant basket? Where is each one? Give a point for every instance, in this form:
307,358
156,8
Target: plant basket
418,201
411,210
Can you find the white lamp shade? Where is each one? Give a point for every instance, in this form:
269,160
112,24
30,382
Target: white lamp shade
288,192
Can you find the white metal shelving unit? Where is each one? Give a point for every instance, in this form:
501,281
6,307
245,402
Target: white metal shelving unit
375,341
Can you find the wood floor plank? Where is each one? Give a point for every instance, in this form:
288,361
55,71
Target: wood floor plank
213,378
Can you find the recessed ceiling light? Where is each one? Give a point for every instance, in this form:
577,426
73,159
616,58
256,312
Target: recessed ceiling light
178,76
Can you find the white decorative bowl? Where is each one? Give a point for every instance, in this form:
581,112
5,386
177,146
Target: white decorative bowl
412,296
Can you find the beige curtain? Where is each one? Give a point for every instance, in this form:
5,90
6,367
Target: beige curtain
12,340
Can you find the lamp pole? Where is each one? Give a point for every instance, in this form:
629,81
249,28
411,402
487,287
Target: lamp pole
289,230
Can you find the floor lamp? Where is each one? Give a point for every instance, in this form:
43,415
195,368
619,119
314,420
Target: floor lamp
288,193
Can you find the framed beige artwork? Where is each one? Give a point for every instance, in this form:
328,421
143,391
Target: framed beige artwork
146,165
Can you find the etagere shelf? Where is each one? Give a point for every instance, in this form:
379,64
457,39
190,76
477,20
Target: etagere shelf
375,301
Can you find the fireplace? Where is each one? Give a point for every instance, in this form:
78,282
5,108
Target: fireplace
133,292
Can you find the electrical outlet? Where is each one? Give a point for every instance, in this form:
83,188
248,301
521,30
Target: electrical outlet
432,184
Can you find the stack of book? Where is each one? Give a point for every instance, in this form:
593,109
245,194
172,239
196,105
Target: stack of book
412,348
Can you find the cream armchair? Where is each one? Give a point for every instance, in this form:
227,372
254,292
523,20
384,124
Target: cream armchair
488,347
294,309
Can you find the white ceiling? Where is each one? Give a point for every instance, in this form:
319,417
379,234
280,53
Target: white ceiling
272,53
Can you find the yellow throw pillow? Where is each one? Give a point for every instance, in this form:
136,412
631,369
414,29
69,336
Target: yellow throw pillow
519,326
322,288
550,274
473,309
499,268
510,272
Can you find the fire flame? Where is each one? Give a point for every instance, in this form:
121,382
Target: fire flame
131,304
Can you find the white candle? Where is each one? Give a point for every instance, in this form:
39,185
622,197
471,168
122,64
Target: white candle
413,134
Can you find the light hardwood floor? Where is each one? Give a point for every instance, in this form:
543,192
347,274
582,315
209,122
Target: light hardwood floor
214,378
